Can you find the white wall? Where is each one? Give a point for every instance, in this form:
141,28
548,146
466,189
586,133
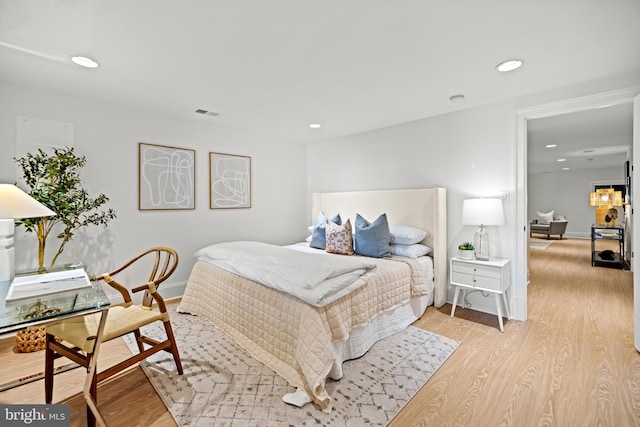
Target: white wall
108,136
470,153
568,193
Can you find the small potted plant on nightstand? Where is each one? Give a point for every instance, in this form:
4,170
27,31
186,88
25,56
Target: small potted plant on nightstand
466,250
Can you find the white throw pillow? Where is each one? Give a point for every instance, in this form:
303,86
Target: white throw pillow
405,235
545,218
410,251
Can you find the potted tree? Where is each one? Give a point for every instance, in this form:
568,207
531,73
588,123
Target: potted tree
54,181
466,250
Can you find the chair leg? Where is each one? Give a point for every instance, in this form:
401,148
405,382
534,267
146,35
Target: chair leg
48,369
49,374
174,347
137,335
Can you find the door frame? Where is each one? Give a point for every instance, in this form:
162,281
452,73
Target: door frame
600,100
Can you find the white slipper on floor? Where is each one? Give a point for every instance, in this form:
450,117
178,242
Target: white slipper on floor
298,398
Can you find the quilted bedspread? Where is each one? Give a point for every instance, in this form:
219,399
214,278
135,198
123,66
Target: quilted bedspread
288,335
317,278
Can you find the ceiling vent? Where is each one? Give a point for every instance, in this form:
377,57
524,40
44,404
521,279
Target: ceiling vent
206,113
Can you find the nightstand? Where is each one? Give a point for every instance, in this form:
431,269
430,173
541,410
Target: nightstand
490,276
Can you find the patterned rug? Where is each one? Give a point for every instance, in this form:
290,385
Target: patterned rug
539,243
223,386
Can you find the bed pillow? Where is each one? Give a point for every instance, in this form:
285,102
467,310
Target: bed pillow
545,218
318,237
410,251
338,238
372,238
405,235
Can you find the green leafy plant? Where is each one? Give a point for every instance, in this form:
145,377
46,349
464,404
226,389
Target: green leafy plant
54,181
466,246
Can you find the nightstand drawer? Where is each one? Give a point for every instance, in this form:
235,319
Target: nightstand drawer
481,270
476,280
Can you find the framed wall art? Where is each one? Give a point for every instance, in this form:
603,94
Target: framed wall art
166,177
229,181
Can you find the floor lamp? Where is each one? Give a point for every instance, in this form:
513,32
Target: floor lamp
14,204
482,212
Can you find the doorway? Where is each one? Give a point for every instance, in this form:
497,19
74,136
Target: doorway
519,293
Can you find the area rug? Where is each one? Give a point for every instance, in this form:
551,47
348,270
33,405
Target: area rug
223,386
539,243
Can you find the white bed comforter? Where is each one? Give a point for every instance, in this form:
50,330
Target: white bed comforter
317,279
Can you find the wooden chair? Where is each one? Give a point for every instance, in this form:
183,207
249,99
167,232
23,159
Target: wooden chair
122,319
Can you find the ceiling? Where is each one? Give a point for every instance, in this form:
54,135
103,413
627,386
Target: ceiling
594,139
273,67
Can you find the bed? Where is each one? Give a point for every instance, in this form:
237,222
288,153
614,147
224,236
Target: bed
306,343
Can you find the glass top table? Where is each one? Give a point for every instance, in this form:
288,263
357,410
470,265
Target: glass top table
42,309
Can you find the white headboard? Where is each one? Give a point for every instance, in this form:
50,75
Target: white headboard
425,208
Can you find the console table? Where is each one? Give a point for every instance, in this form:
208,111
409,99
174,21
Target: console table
601,233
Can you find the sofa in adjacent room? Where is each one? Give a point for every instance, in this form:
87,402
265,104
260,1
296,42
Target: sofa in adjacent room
550,224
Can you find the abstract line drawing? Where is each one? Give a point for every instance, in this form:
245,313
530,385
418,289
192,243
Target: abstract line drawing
166,177
230,181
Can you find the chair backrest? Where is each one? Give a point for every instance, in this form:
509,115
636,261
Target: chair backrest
558,227
164,264
166,261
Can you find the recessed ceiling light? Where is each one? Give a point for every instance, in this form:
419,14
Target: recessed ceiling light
83,61
562,160
550,146
509,65
315,125
456,98
565,169
589,151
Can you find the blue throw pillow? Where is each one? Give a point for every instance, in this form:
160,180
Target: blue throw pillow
318,235
372,238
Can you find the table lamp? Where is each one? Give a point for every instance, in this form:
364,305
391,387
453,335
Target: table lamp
14,204
605,199
482,212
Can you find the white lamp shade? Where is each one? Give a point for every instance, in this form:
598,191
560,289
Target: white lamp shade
482,212
16,204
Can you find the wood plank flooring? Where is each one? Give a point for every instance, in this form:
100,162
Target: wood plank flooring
571,364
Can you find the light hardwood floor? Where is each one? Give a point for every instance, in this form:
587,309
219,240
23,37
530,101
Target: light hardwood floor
571,364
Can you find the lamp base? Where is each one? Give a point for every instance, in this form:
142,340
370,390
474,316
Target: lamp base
481,243
7,251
